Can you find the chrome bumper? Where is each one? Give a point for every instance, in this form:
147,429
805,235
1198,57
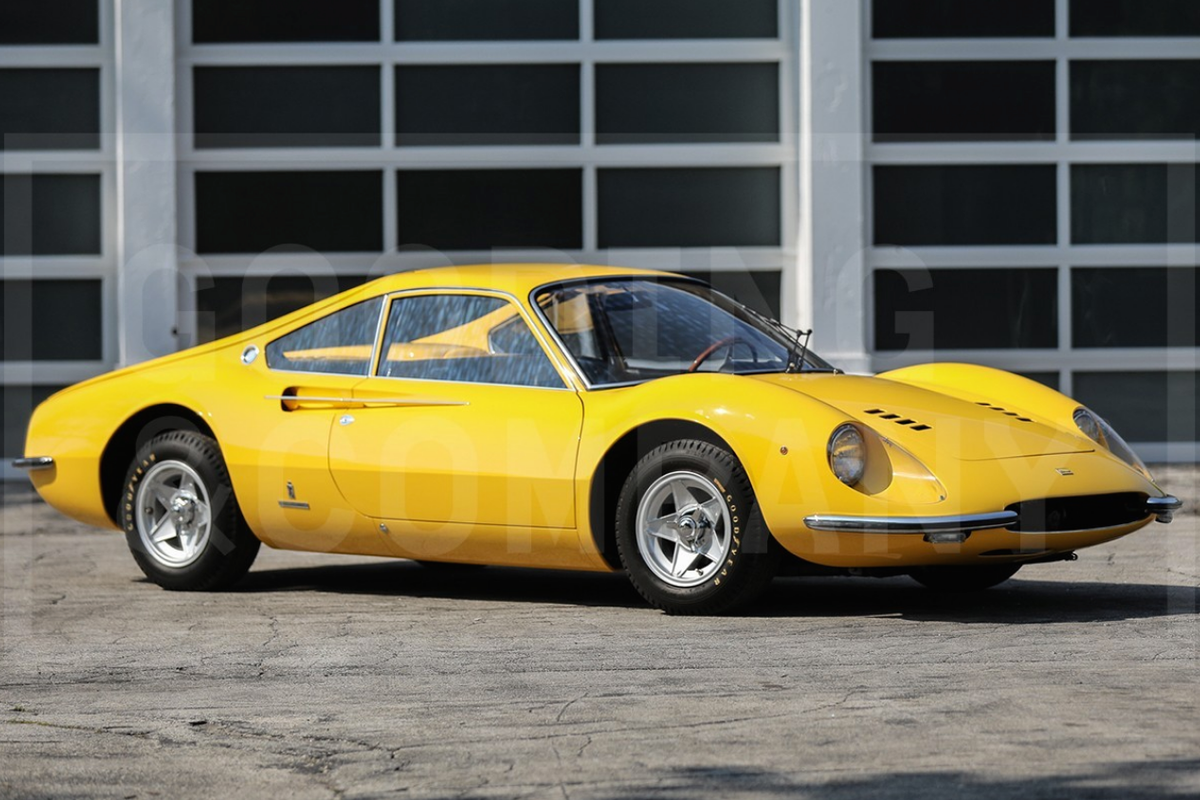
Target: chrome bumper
956,527
1164,507
963,523
33,462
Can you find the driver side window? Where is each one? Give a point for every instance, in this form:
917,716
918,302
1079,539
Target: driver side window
463,338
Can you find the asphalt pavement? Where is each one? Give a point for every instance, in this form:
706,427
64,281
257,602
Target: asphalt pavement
329,676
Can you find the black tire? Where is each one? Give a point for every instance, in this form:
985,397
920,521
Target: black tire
963,578
449,566
157,502
745,557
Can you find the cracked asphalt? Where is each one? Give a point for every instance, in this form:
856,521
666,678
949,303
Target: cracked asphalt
327,676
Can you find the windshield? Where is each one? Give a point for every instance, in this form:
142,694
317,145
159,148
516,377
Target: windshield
628,330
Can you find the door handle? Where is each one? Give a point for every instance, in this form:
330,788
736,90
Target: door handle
296,398
293,399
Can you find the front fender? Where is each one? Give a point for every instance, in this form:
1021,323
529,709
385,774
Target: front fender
777,434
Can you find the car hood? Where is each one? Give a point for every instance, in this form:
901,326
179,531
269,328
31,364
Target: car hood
929,423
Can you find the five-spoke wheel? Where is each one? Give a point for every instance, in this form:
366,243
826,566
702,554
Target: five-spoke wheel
684,530
173,513
689,532
181,519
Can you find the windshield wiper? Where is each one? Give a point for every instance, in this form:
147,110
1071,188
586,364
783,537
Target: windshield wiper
798,363
793,336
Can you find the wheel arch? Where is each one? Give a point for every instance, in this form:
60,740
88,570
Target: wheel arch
614,466
134,432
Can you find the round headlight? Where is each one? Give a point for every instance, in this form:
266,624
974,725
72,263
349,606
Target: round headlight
1099,431
1089,423
847,454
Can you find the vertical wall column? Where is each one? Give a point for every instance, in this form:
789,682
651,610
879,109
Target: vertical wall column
833,181
147,259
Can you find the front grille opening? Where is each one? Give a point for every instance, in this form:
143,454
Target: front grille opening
1082,513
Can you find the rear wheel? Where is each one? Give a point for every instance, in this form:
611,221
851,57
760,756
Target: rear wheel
965,578
689,532
181,520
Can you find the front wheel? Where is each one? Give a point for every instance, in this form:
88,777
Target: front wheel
181,520
963,578
689,532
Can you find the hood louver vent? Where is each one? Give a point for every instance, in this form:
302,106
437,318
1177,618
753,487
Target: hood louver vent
1005,412
911,424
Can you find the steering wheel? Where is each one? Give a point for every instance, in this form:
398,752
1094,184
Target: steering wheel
728,341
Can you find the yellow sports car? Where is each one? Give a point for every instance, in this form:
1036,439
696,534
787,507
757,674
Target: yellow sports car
587,418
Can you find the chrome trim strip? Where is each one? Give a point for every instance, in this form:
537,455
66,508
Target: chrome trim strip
33,462
368,401
914,525
296,504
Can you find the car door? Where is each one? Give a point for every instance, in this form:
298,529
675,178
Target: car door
304,381
466,426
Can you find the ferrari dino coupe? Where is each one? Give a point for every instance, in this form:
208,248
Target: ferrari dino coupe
587,418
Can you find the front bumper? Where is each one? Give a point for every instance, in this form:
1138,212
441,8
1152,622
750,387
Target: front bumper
1164,507
956,527
33,462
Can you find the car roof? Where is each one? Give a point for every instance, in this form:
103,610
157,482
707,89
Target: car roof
516,279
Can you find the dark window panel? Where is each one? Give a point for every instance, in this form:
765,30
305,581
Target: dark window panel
307,349
225,306
1134,203
513,356
1050,379
249,212
42,22
1135,99
49,109
965,205
224,21
1134,307
50,215
689,207
653,103
483,209
50,320
1143,406
1135,18
967,309
927,101
758,290
533,104
934,19
686,19
486,20
18,403
286,106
